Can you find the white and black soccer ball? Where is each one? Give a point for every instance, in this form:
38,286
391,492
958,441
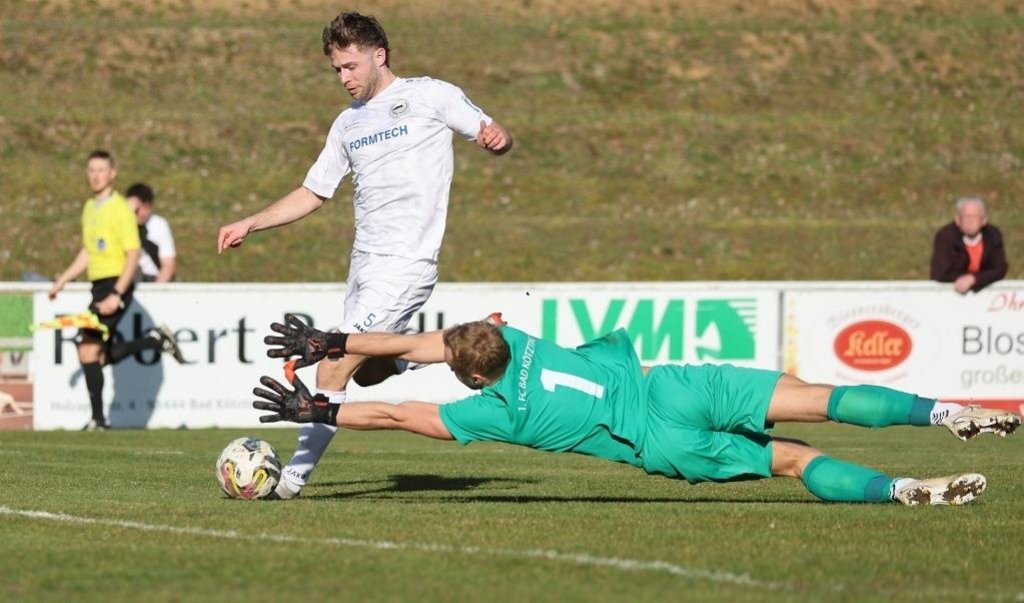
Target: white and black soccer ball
248,468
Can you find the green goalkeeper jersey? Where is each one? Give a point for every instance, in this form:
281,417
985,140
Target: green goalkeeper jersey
588,400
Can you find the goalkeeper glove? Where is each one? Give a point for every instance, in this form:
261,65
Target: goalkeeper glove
296,405
309,344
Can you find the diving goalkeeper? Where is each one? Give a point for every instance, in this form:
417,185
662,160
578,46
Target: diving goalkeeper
693,422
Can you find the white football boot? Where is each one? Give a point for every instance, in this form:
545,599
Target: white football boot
974,420
950,490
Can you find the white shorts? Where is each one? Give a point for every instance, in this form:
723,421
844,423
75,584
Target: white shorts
384,292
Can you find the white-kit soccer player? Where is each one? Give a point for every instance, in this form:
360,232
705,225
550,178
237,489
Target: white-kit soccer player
396,140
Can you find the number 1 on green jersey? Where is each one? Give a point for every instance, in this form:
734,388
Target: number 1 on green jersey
551,379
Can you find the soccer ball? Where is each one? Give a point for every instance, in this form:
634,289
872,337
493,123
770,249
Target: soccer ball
248,468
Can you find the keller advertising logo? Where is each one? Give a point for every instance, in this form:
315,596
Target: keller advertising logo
873,345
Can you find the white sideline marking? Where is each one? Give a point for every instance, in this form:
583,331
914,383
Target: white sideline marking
629,565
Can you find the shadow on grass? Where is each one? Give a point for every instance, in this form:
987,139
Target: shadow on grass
394,486
414,483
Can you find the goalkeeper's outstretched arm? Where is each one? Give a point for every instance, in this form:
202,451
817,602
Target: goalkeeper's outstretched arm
424,348
422,418
296,338
301,406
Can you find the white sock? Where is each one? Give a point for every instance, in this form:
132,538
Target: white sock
313,441
334,396
898,483
942,410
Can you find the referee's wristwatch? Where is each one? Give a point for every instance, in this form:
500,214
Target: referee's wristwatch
120,299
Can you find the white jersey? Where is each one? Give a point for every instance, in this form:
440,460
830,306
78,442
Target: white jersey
398,145
159,232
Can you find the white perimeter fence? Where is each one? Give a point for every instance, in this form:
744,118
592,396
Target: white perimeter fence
911,335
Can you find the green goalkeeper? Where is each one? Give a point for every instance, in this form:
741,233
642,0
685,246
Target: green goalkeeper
693,422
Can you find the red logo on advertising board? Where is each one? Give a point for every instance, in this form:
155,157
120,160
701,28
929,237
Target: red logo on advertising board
872,345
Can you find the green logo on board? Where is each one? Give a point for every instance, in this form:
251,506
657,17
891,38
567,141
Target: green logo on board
723,329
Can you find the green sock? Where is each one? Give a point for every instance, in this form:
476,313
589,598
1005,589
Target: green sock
876,406
839,481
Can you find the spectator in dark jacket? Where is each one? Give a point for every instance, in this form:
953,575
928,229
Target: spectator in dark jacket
968,251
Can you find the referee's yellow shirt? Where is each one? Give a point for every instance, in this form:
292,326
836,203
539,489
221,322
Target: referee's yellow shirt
109,231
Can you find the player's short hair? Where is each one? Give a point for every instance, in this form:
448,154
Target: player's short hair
353,28
142,191
477,348
102,154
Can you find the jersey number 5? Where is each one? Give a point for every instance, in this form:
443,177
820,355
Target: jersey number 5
552,379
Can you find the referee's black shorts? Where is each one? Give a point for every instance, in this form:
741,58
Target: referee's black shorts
100,290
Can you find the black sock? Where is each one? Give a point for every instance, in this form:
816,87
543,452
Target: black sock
119,351
94,383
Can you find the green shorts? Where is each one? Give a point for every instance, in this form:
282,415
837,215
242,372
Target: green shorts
707,422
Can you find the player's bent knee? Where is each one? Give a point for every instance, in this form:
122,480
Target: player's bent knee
790,457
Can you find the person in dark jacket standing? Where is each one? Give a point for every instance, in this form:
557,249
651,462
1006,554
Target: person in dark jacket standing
968,251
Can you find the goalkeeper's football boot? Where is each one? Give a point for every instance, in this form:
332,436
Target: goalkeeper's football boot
974,420
168,342
950,490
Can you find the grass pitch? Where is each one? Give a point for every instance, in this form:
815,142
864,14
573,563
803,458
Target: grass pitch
130,514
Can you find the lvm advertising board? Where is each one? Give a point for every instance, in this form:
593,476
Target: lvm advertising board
221,328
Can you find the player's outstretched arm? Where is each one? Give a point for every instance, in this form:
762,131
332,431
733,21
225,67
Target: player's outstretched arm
422,418
293,206
424,348
312,345
300,406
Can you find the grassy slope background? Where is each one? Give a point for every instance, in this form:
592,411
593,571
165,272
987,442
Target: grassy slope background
775,139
